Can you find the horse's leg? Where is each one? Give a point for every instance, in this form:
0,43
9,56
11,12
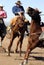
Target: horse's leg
26,55
20,46
21,41
9,47
31,45
17,44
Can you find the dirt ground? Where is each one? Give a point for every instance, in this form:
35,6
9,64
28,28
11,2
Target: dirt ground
36,56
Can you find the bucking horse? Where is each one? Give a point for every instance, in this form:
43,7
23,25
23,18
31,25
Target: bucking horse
17,28
35,32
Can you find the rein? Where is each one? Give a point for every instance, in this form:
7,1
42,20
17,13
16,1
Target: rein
35,33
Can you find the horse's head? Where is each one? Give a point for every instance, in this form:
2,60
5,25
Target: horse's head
32,12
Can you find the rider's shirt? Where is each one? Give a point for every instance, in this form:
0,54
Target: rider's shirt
17,9
3,14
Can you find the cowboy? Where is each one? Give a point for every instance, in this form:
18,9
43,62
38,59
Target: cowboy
18,10
3,15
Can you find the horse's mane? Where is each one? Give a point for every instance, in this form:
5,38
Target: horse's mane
34,14
37,18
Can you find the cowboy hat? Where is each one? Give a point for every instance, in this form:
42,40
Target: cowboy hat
18,2
1,5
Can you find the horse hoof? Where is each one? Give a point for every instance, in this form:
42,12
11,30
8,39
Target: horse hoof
6,50
16,51
8,54
21,63
24,62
